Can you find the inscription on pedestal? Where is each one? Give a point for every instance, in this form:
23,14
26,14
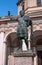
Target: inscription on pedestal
23,61
23,58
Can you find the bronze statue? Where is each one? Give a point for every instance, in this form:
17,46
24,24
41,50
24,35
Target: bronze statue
22,32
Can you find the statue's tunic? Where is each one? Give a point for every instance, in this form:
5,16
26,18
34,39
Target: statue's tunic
22,28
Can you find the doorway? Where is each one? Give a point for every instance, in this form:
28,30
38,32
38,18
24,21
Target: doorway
39,53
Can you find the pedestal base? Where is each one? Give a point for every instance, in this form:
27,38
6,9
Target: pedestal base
23,58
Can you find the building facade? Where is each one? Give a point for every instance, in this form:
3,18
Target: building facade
8,30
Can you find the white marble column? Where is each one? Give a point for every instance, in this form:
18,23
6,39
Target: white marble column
29,45
2,49
4,53
24,45
24,48
36,60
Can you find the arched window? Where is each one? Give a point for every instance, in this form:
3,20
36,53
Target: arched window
38,2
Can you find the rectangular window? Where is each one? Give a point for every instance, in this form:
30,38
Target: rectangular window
38,2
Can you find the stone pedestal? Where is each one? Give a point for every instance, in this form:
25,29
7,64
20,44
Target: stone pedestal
23,58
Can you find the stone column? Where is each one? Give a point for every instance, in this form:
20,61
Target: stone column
36,60
34,50
29,45
24,48
2,49
24,45
4,53
41,2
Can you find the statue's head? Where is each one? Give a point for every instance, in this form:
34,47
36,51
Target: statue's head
22,12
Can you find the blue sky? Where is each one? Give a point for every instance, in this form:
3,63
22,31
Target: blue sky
8,5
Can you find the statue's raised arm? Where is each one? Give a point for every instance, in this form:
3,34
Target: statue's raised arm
13,19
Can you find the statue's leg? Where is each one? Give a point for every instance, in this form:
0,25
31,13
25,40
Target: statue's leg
26,41
20,43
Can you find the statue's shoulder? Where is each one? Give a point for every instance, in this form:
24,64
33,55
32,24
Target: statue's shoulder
26,17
